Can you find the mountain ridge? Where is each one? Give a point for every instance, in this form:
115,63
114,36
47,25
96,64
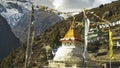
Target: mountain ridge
43,20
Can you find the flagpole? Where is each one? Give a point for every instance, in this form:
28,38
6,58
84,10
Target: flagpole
84,43
109,46
86,28
30,40
110,63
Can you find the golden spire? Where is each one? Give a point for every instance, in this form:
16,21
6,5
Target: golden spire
72,33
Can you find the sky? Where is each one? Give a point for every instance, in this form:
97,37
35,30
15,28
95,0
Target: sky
72,5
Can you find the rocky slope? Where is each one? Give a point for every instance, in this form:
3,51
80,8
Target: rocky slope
52,35
43,20
8,41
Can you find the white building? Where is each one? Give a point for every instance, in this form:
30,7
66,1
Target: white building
70,54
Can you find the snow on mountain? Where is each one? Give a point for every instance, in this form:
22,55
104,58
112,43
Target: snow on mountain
13,10
17,13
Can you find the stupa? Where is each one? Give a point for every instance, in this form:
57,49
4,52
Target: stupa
70,54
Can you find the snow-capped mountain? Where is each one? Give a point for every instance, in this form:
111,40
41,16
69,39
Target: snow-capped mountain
17,13
13,10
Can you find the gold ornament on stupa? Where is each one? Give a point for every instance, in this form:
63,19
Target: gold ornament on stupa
72,33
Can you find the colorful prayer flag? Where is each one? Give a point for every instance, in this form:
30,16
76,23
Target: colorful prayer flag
111,44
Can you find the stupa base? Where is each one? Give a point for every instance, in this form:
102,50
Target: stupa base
72,64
